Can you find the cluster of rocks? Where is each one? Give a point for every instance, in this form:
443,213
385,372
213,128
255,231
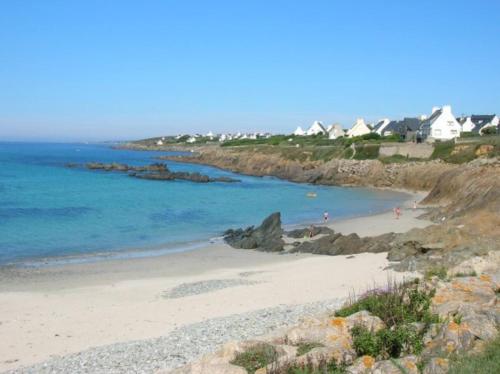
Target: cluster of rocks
156,171
268,237
468,311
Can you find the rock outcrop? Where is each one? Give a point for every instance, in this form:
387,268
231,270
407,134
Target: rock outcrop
267,237
338,244
157,171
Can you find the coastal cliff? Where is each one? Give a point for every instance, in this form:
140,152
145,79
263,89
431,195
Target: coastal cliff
265,161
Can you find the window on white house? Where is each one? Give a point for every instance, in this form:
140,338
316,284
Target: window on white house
437,132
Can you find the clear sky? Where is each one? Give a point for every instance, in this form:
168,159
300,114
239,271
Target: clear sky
96,70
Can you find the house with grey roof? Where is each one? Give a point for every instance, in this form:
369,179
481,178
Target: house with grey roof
381,125
406,128
484,121
441,125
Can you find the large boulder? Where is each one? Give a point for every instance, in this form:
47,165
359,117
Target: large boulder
267,237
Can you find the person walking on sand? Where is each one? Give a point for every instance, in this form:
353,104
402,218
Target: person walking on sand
398,212
325,216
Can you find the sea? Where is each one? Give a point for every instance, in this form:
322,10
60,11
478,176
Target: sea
50,213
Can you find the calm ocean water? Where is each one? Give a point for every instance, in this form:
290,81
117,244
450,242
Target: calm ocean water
48,210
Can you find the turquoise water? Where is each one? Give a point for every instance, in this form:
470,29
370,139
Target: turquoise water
48,210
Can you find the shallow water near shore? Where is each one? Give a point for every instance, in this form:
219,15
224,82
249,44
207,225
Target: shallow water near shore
50,211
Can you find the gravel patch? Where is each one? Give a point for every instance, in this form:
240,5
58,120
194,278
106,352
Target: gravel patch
196,288
182,345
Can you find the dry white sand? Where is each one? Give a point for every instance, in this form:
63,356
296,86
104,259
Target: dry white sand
66,309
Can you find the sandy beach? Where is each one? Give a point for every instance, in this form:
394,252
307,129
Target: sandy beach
58,310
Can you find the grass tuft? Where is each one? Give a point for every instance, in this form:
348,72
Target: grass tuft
324,366
487,362
256,357
438,271
397,304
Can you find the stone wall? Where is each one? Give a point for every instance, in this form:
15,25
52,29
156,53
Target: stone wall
414,150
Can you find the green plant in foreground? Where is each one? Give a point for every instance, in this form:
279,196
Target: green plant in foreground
397,304
256,357
303,348
487,362
387,343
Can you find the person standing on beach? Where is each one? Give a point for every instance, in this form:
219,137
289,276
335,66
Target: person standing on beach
398,212
325,216
415,205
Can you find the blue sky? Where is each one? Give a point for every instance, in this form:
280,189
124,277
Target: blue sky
96,70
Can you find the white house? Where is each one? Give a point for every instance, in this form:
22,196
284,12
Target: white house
381,125
441,125
159,142
484,121
359,128
466,123
191,139
335,131
299,132
316,128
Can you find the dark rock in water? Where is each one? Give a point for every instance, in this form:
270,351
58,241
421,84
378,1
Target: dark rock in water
225,180
267,237
305,232
157,171
338,244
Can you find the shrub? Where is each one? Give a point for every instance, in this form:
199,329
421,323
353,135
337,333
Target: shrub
386,343
256,357
367,151
397,304
469,134
492,130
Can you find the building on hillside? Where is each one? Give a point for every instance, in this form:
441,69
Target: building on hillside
191,139
299,132
335,131
406,129
466,124
484,121
381,125
359,128
159,142
316,128
441,125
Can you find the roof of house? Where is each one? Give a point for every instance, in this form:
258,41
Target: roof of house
432,118
482,119
403,126
378,125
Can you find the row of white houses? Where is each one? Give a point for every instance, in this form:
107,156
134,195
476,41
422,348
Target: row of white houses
440,125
